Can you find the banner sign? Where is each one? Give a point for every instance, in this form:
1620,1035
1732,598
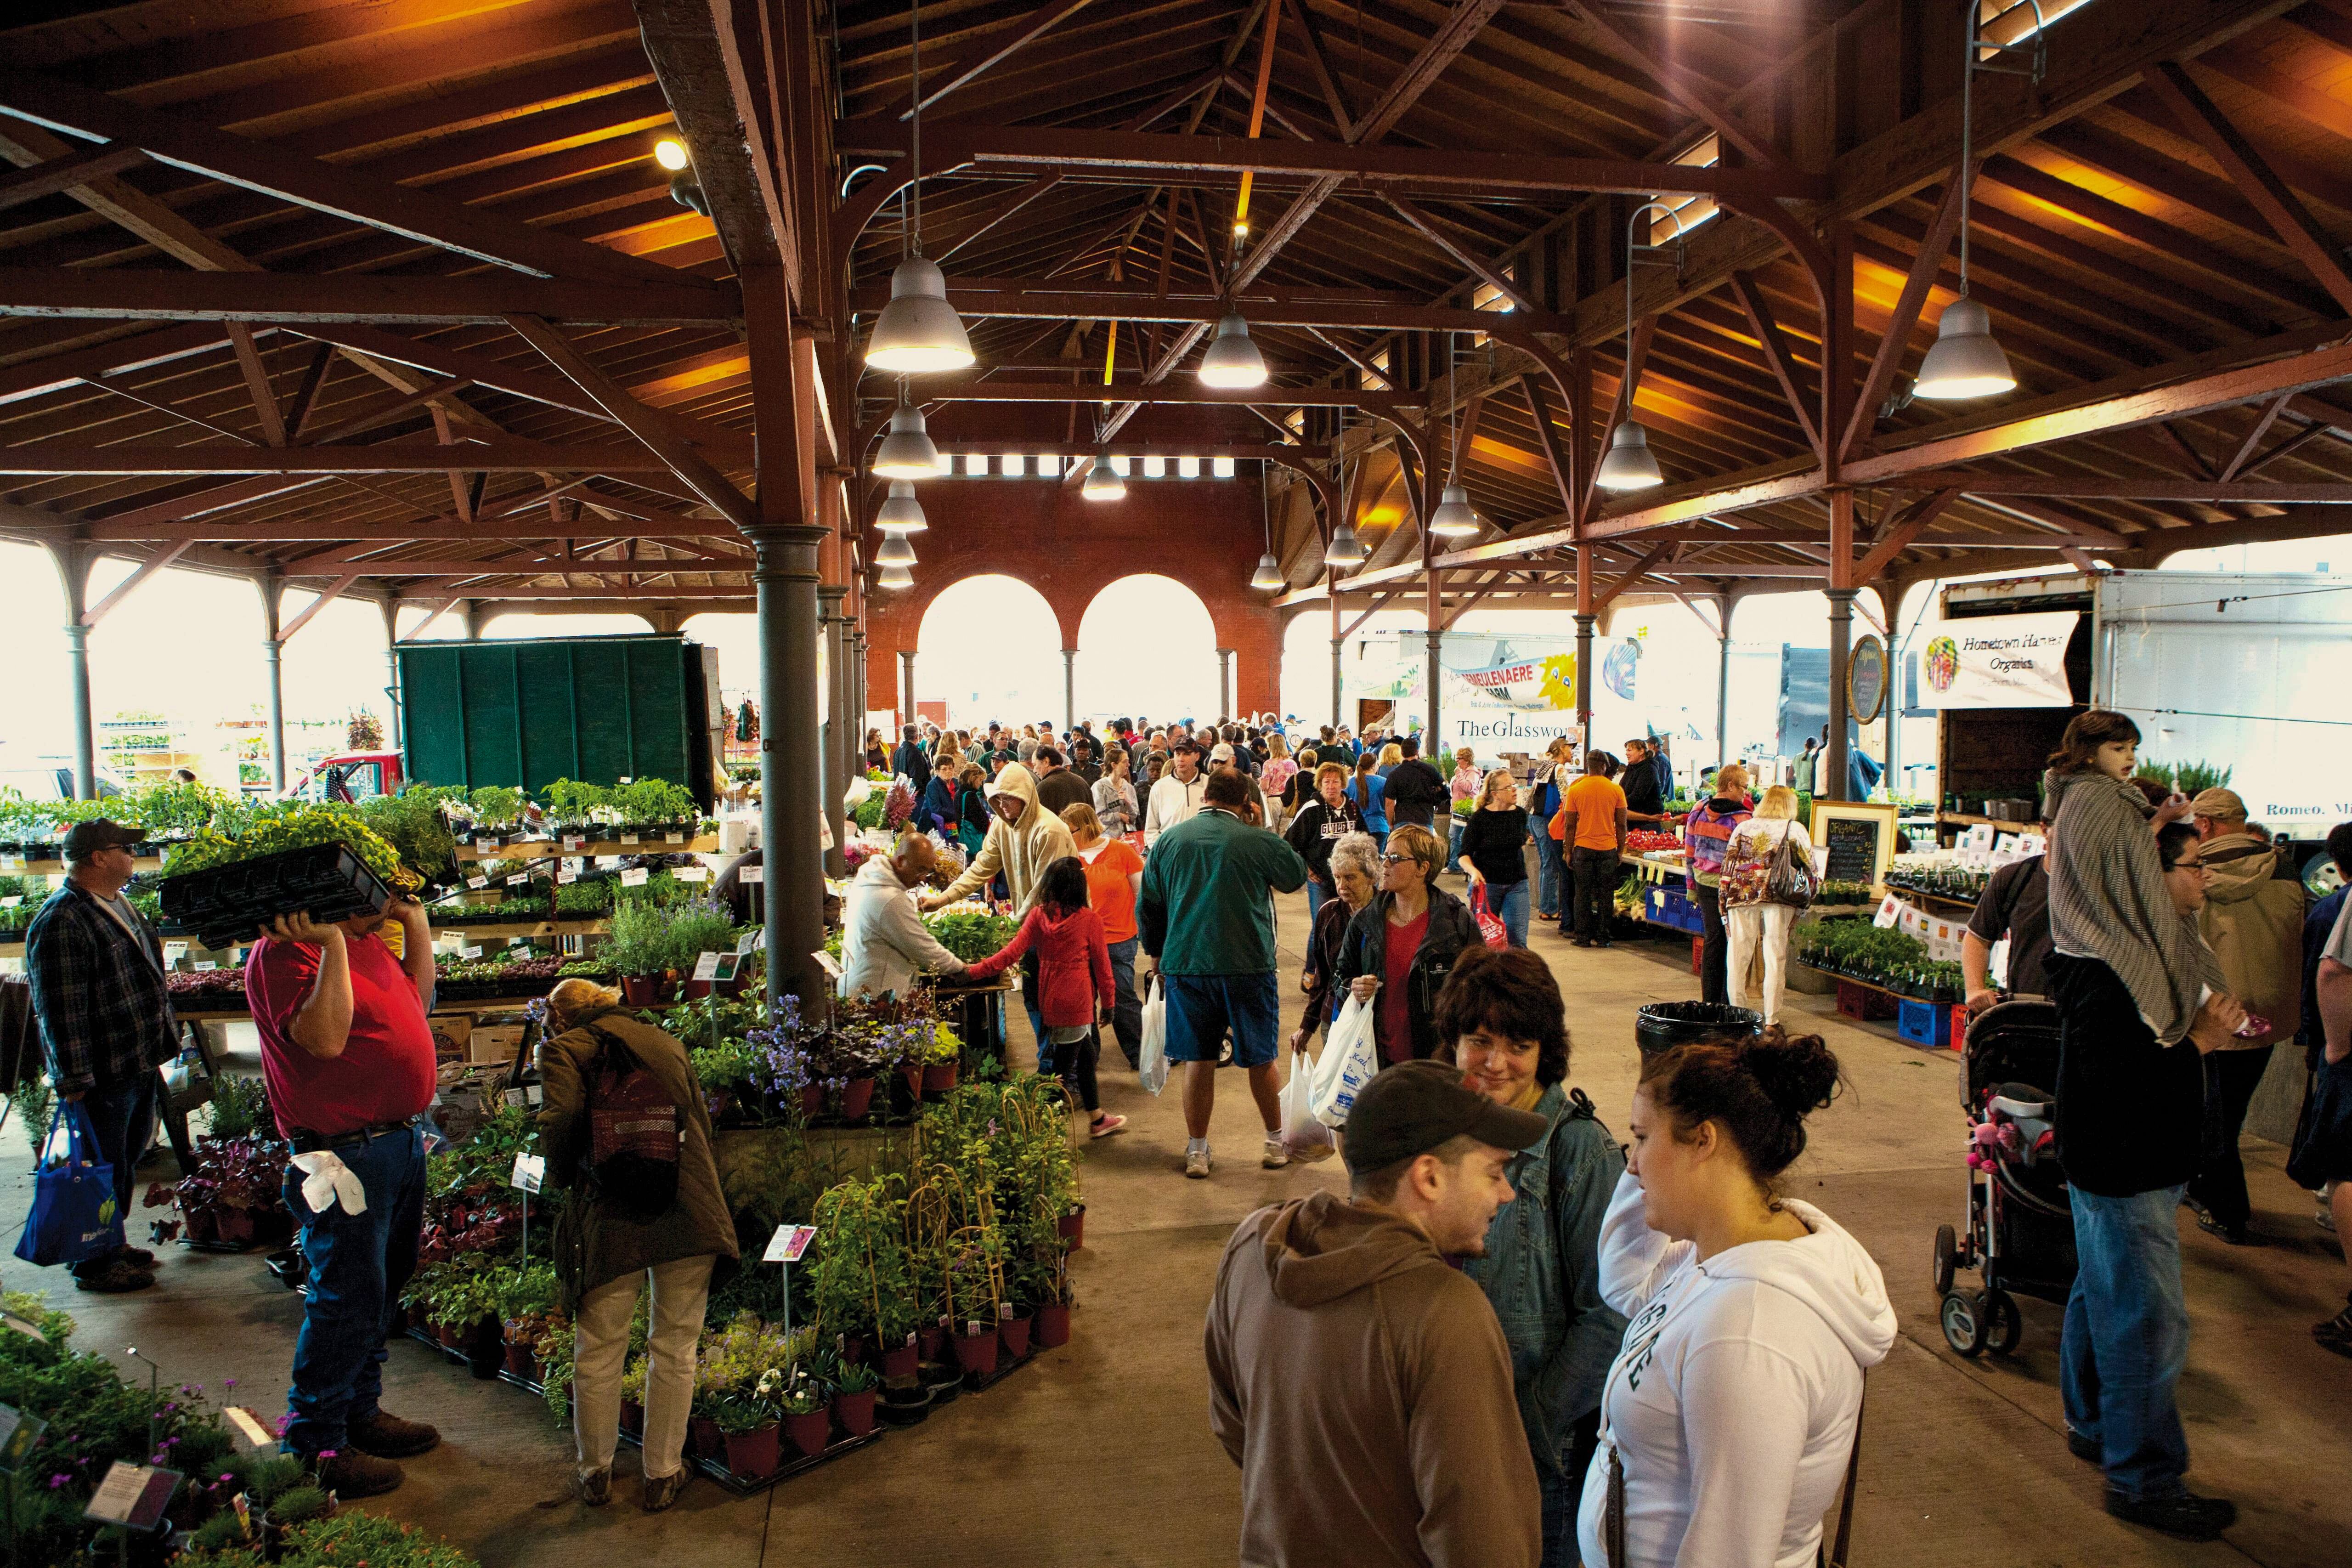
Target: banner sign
1998,661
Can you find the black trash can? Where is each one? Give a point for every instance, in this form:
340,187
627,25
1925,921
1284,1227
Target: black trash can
1662,1025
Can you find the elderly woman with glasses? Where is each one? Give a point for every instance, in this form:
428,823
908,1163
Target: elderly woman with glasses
1401,947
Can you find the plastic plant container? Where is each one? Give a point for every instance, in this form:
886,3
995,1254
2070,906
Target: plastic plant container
224,905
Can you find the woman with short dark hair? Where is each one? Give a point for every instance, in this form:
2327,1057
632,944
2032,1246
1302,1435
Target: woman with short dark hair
1500,1020
1401,947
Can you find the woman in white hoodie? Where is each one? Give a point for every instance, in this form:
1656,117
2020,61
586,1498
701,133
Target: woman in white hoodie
1733,1405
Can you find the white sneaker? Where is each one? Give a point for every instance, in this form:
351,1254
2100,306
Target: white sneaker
1275,1156
1196,1162
2325,1218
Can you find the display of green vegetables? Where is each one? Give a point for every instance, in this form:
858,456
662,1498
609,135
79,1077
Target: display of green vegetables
297,828
971,935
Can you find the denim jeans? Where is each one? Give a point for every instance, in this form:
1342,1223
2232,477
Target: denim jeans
358,1265
1562,1491
1550,865
1594,905
1127,1012
1315,896
2127,1338
1454,845
1509,904
124,1118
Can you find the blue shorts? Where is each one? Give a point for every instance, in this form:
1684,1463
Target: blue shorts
1202,1007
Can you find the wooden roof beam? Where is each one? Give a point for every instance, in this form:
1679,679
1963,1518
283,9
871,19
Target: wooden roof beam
138,294
503,456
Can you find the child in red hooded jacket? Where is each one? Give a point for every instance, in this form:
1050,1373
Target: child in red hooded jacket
1075,989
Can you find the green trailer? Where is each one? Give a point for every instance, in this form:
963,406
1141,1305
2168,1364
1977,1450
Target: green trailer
527,712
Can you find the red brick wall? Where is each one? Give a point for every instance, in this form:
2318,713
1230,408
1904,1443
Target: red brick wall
1205,533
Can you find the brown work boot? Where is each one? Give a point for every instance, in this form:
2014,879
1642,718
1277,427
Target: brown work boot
385,1436
119,1277
350,1474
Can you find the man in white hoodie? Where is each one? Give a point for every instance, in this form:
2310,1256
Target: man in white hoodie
1735,1405
1177,797
883,942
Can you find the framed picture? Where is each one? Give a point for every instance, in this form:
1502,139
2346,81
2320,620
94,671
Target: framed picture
1858,837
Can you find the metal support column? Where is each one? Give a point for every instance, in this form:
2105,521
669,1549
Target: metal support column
837,735
85,731
1224,683
1833,786
274,651
391,667
1069,690
906,686
790,770
1336,683
1584,678
1723,688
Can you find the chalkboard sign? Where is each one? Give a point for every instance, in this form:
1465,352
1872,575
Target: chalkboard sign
1854,849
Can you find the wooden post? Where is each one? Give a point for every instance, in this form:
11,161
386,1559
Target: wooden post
1840,597
1585,616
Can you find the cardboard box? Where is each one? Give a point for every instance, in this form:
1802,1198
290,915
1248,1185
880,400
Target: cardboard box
450,1034
493,1043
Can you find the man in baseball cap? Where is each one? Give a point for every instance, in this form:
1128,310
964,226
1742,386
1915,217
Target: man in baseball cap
1411,1453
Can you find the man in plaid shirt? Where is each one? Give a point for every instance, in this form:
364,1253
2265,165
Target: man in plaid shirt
105,1016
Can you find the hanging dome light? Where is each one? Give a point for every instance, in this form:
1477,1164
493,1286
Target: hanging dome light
907,452
1965,360
1232,359
670,154
1630,465
1102,481
1345,549
897,550
901,512
1269,574
895,577
1454,518
918,333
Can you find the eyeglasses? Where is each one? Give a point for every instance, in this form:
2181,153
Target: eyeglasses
1395,859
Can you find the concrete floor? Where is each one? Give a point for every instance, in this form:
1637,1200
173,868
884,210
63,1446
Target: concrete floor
1101,1453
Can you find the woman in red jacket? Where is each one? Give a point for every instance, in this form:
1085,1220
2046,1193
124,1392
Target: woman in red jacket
1075,989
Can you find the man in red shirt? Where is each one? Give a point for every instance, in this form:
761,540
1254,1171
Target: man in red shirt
349,1061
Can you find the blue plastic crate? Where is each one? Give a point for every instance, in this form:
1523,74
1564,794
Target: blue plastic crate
1669,907
1925,1024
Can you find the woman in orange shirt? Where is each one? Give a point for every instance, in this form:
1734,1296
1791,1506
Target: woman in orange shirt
1114,878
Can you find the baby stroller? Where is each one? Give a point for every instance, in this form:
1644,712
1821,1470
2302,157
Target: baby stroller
2018,1233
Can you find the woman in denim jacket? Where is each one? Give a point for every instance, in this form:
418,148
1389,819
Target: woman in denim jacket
1502,1022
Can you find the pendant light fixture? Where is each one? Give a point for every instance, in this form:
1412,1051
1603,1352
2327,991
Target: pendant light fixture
1964,361
1454,518
1102,481
897,550
895,577
1268,574
918,333
907,452
1630,465
901,512
1231,360
1345,549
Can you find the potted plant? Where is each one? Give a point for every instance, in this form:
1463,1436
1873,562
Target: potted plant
748,1429
942,1055
1014,1330
1053,1321
641,950
808,1415
854,1394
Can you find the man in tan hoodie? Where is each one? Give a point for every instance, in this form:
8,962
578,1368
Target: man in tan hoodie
1022,842
1359,1379
2252,919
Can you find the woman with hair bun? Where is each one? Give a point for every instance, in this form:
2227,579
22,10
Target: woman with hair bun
1736,1399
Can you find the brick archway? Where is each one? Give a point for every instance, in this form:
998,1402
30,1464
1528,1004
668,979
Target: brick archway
1203,533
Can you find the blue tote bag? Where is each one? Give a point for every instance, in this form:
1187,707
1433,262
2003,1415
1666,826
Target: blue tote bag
74,1214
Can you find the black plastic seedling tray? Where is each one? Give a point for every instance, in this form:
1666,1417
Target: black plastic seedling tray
228,904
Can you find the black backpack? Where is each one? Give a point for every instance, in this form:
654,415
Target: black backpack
635,1134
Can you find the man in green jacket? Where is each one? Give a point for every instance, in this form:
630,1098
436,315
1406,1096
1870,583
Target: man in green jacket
1207,918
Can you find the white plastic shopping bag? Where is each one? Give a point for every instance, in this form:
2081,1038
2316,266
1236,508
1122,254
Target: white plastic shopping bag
1348,1063
1154,1061
1303,1136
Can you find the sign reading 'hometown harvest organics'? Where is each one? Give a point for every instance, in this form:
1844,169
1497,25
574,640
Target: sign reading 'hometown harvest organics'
1998,661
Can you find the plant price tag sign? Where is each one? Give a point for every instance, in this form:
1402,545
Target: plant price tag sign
692,873
635,876
706,967
529,1170
19,1433
756,937
789,1243
132,1496
249,1427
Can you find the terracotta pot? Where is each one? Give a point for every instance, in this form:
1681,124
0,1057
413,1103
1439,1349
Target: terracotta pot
813,1101
856,1099
1052,1326
900,1362
703,1438
752,1455
484,1347
853,1349
976,1353
931,1340
447,1333
633,1417
1073,1227
810,1434
1015,1332
203,1225
855,1412
236,1227
914,1077
519,1361
641,990
939,1078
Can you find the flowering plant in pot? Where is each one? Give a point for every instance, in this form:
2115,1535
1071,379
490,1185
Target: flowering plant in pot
783,1072
747,1422
808,1415
642,950
855,1389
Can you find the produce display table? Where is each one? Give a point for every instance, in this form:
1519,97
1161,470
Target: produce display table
552,849
1918,1020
